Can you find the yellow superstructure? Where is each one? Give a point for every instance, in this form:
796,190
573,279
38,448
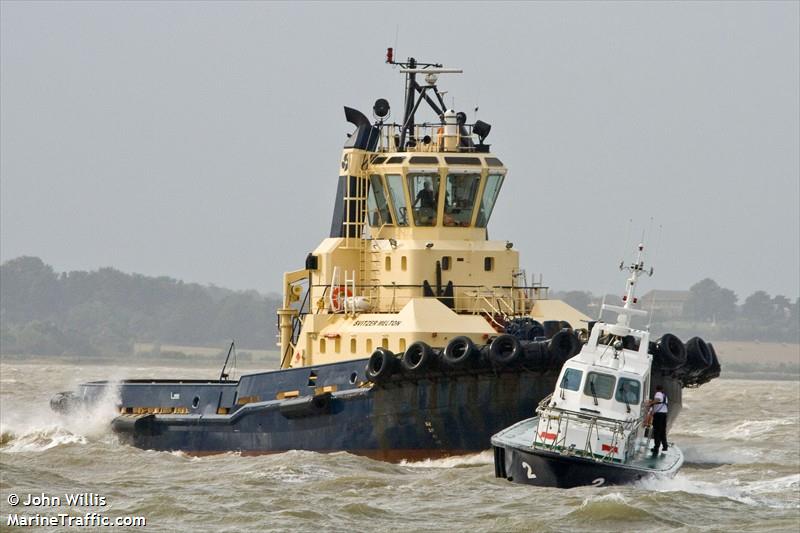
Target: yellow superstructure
408,258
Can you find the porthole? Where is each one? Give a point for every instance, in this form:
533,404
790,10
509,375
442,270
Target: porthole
353,378
195,402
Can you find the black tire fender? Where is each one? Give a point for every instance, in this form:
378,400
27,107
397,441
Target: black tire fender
417,358
380,366
669,352
459,352
505,349
562,346
550,328
698,356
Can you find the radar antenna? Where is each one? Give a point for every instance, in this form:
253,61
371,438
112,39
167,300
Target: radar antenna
431,71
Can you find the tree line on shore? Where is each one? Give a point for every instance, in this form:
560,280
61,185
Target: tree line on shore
104,312
712,312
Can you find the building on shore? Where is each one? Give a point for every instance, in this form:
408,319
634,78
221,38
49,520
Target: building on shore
665,303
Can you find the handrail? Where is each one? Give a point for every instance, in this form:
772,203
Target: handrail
419,286
583,415
592,423
498,300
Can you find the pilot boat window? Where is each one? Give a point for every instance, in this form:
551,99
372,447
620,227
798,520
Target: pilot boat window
628,391
395,184
490,191
599,385
376,203
424,189
572,379
459,199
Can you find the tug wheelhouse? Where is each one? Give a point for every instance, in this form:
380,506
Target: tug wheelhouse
408,258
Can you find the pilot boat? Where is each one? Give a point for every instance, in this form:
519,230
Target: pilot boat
407,334
591,429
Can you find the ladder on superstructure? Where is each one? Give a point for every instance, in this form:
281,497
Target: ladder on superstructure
355,201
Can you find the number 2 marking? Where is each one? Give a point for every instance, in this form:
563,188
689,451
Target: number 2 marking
529,470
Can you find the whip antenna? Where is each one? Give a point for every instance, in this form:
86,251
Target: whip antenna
655,253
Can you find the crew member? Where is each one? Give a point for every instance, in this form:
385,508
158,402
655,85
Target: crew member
425,197
659,406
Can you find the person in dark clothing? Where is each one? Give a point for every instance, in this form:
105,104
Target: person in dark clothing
425,197
659,407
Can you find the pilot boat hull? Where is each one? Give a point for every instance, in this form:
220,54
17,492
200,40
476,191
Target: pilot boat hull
516,461
319,409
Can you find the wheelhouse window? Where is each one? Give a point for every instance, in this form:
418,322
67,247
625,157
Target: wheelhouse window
599,385
377,205
572,379
628,391
395,184
459,199
490,192
424,189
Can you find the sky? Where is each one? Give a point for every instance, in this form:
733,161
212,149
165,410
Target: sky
202,140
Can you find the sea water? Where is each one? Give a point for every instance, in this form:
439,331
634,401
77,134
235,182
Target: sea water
742,473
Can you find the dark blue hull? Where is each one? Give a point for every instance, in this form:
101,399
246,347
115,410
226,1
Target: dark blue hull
331,408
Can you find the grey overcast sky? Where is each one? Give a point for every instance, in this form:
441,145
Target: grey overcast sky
202,140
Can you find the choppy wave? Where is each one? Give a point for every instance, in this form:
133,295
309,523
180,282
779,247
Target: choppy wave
739,429
742,472
41,428
612,507
759,492
458,461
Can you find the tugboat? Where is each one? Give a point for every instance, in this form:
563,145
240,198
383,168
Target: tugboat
407,334
590,430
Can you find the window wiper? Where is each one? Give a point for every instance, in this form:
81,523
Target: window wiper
625,399
594,394
562,387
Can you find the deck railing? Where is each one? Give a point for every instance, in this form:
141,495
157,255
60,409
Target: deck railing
558,423
504,301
